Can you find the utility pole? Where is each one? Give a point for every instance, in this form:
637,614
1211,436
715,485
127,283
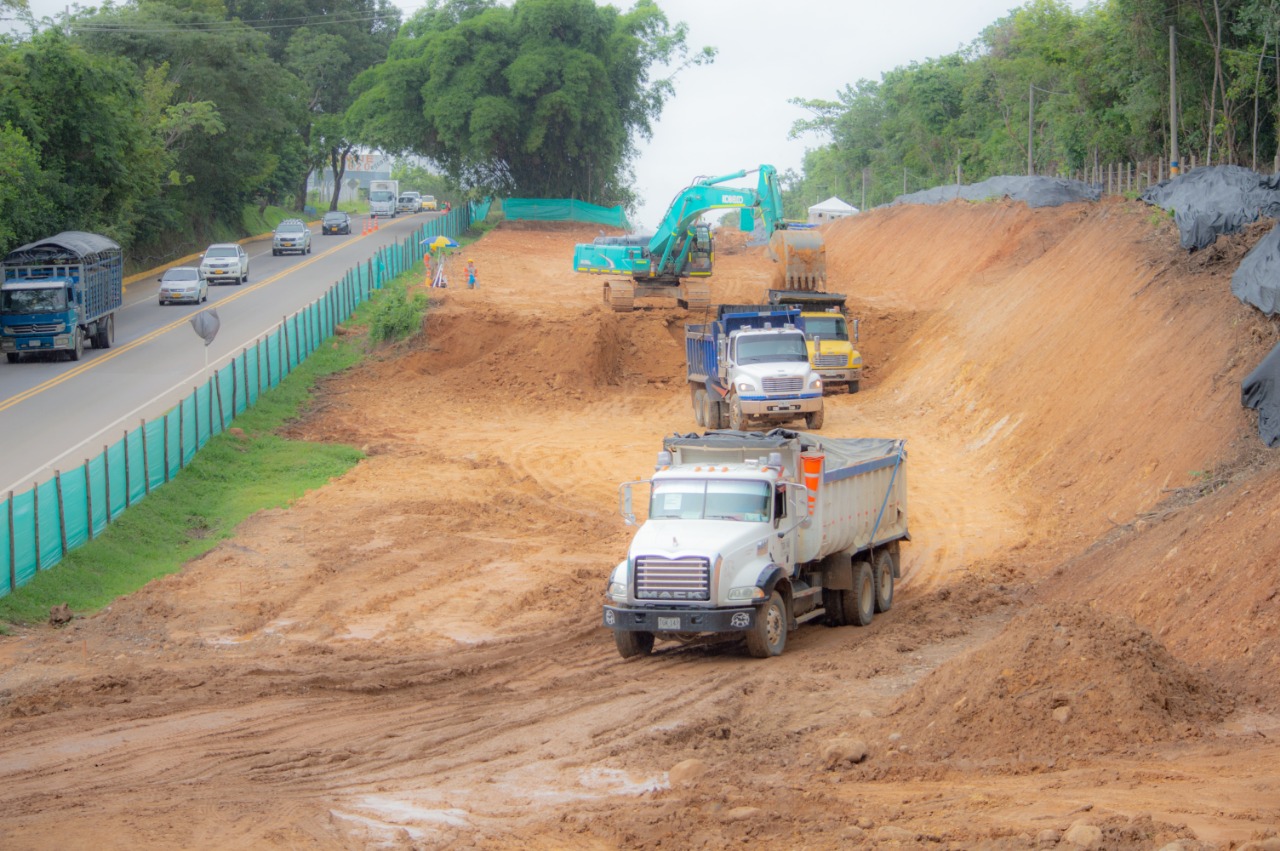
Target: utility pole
864,187
1173,104
1031,117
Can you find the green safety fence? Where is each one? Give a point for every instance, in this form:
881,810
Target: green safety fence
563,210
40,526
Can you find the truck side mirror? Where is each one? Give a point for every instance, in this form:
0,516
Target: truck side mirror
855,330
624,505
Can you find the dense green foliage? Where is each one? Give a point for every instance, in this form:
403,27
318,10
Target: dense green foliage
1101,84
544,98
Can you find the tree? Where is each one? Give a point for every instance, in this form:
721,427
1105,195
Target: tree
543,98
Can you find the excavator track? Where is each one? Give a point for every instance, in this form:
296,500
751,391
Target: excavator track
620,295
694,295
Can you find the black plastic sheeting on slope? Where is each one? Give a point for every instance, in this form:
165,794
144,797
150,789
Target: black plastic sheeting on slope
1256,280
1215,200
1261,391
1033,190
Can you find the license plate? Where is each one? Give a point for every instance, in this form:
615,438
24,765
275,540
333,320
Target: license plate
669,623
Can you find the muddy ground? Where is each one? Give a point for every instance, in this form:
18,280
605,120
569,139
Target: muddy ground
1084,651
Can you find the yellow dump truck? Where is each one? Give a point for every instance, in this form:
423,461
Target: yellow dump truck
830,336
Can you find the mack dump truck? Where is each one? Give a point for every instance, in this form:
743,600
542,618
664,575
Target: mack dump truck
753,534
59,293
751,365
676,260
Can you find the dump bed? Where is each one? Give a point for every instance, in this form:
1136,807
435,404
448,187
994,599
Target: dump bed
700,340
857,486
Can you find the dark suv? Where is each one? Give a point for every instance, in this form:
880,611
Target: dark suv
291,235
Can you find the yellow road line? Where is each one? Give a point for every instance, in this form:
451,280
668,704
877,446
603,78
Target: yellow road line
116,351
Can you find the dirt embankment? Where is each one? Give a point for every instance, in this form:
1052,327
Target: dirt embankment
1082,654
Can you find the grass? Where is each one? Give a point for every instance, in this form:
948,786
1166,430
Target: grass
231,478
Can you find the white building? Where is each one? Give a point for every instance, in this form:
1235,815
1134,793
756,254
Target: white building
830,210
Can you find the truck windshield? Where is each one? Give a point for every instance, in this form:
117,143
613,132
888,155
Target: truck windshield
381,195
693,499
827,327
52,300
769,348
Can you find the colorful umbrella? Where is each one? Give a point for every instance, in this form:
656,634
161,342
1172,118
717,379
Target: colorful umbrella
439,242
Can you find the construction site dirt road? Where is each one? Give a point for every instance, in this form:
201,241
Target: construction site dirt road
1082,653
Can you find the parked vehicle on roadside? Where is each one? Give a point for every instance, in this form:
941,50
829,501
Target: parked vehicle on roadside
225,262
291,235
183,284
335,222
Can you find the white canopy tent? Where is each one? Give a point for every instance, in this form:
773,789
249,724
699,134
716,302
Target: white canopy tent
829,210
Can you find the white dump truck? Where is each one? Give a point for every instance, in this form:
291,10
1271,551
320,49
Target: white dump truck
754,534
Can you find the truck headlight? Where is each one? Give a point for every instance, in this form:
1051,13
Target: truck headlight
745,387
617,589
857,361
816,382
746,592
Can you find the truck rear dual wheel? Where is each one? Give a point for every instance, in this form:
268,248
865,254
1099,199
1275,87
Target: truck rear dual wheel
883,574
860,602
633,643
813,420
698,398
105,334
768,635
77,348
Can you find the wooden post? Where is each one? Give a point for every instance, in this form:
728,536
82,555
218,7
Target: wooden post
88,496
235,385
257,350
127,481
13,550
212,383
182,432
217,389
288,357
62,513
106,471
35,508
166,446
146,459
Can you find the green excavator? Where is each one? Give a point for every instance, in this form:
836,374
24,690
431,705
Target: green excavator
677,259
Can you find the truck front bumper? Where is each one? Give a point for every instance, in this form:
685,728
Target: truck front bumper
61,342
786,406
839,376
678,620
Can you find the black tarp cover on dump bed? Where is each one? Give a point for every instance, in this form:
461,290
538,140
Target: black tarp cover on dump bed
1215,200
841,451
1033,190
1261,391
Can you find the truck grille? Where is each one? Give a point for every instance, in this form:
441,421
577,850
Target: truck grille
47,328
831,360
659,578
783,384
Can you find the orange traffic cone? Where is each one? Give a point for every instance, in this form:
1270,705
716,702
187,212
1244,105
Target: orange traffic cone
375,222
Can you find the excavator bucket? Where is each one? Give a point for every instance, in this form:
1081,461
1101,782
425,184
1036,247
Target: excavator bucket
801,255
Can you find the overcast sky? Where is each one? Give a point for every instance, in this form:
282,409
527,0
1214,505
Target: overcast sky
733,114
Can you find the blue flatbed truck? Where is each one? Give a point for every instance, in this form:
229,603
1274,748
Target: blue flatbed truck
59,293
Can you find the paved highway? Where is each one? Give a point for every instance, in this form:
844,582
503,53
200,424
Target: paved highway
55,413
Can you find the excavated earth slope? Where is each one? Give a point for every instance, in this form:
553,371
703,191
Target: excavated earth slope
1083,651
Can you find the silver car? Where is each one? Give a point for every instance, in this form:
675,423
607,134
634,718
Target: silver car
291,235
183,284
225,261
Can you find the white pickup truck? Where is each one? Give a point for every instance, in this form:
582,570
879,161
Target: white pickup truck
754,534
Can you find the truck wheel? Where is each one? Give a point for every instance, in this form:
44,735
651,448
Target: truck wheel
105,333
860,603
12,357
737,421
851,387
768,636
77,348
883,572
699,398
813,420
633,643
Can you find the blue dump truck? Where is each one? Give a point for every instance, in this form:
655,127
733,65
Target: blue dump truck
752,365
59,293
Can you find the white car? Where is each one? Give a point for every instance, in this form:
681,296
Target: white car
225,261
183,284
